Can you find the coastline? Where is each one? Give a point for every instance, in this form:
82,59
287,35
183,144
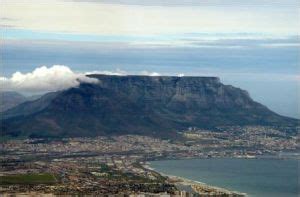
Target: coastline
197,186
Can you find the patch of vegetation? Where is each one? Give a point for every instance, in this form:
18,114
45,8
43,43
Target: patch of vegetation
45,178
5,138
105,168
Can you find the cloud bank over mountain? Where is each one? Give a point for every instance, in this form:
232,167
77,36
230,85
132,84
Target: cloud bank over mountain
44,79
58,77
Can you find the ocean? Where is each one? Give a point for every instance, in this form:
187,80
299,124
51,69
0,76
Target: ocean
256,177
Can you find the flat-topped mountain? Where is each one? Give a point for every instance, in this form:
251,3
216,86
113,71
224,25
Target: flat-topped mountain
159,105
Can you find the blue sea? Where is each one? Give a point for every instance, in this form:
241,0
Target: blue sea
256,177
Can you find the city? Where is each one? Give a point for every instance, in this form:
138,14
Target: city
120,164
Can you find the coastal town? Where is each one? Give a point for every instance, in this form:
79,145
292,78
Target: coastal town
120,164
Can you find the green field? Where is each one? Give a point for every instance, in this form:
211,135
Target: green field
28,179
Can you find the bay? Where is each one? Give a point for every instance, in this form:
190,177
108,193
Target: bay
256,177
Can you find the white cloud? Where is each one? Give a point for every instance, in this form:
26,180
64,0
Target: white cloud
153,74
280,45
105,72
124,73
115,19
58,77
43,79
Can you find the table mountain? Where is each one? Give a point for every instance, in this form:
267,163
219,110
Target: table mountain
160,105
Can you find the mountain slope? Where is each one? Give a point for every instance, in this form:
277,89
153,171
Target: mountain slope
141,105
10,99
30,106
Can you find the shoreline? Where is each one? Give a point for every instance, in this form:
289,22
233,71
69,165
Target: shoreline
198,187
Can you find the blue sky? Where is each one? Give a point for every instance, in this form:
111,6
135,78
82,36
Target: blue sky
250,44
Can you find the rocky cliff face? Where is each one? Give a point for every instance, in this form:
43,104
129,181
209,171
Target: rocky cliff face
141,105
202,91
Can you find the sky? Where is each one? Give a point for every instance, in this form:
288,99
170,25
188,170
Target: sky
251,44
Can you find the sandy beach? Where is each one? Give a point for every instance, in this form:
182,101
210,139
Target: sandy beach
199,187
